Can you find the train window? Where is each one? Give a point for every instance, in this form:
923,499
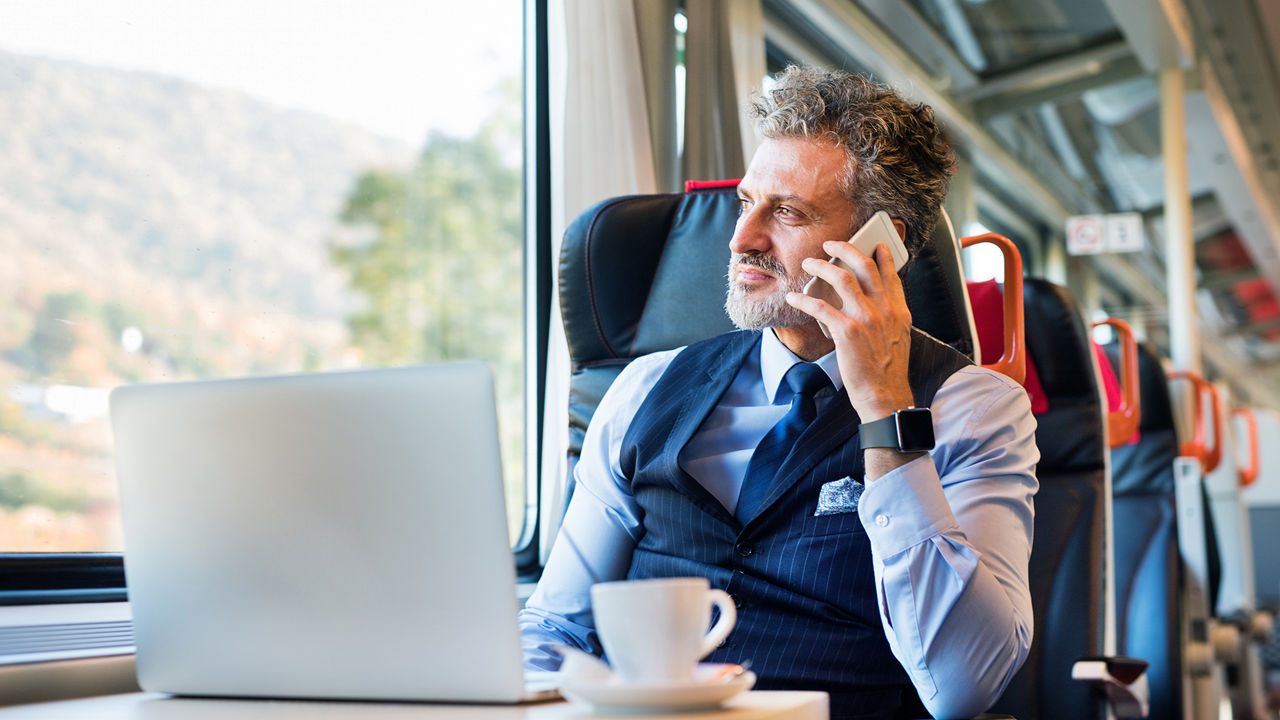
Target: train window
195,190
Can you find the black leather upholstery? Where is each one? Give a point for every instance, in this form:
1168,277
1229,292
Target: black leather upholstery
639,274
1148,567
939,308
1069,548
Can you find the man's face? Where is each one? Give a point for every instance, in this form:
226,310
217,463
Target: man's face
791,202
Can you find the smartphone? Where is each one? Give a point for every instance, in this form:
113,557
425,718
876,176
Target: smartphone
879,229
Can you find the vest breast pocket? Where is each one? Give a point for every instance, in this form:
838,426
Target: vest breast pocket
843,523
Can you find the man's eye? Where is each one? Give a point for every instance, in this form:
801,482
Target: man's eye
743,203
785,211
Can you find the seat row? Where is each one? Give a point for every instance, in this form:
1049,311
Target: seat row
1141,556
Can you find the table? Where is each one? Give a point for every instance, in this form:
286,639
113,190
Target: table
754,705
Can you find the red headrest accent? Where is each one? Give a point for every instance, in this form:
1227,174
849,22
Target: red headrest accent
692,185
1111,383
988,314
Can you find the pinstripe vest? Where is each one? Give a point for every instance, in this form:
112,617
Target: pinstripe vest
803,583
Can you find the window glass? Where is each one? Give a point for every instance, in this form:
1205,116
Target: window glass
196,190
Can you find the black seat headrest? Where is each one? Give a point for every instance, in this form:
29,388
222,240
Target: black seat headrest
1153,388
644,273
935,289
1146,467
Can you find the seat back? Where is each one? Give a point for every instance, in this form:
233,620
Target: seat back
639,274
1068,557
1263,499
1148,572
935,291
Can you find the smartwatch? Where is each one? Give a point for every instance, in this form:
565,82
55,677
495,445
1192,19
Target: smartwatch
909,430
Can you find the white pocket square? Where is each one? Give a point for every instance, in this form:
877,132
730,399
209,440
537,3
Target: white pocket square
839,496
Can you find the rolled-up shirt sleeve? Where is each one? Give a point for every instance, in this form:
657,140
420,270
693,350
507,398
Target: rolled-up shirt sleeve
951,540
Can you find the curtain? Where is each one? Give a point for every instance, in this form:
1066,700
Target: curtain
724,64
603,114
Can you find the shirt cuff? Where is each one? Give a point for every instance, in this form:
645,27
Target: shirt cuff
905,507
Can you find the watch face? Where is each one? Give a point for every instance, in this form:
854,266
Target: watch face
915,429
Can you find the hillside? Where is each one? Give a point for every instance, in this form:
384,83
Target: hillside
193,208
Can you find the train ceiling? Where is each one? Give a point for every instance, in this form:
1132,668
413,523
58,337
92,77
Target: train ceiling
1056,105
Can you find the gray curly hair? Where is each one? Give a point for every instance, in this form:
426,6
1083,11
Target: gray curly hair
898,159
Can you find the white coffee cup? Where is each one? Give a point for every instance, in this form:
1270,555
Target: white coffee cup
655,631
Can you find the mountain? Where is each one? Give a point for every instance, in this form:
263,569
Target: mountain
194,209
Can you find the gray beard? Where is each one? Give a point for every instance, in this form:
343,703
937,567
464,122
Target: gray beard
750,314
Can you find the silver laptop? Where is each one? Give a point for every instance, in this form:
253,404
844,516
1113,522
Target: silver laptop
331,535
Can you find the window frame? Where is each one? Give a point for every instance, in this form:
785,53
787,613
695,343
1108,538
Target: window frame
52,578
28,578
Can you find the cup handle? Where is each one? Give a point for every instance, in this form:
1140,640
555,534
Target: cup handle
728,617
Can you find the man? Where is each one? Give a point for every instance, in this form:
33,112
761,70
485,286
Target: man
886,571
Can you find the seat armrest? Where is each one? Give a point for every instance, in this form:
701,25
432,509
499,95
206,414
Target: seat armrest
1123,679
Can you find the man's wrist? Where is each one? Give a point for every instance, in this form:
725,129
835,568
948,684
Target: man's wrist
886,406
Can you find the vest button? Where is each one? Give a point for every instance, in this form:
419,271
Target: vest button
744,548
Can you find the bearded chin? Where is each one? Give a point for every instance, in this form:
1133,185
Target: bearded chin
748,313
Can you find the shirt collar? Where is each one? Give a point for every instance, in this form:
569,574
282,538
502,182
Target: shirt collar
776,360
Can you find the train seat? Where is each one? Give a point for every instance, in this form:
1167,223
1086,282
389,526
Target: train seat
1148,567
1069,555
639,274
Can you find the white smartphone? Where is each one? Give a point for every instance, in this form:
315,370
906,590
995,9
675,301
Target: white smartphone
879,229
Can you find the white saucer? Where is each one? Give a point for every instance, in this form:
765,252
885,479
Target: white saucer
612,697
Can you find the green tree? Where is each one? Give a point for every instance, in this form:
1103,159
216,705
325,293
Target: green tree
441,265
441,276
53,336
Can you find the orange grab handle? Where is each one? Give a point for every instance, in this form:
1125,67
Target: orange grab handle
1215,453
1123,423
1013,362
1249,473
1197,447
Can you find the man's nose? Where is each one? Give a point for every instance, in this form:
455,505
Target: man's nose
749,235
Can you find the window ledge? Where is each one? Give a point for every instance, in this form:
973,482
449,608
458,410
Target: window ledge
22,683
49,633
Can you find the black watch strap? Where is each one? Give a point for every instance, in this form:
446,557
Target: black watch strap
909,430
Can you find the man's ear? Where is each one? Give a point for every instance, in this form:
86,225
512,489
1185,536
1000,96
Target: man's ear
901,227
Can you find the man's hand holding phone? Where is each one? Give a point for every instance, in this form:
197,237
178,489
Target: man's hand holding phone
879,229
864,312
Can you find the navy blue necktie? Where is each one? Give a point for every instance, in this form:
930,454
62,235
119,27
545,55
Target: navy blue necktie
805,380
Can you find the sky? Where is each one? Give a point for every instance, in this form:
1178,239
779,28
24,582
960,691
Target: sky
397,67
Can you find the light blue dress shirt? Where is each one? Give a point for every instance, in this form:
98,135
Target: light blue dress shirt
950,532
